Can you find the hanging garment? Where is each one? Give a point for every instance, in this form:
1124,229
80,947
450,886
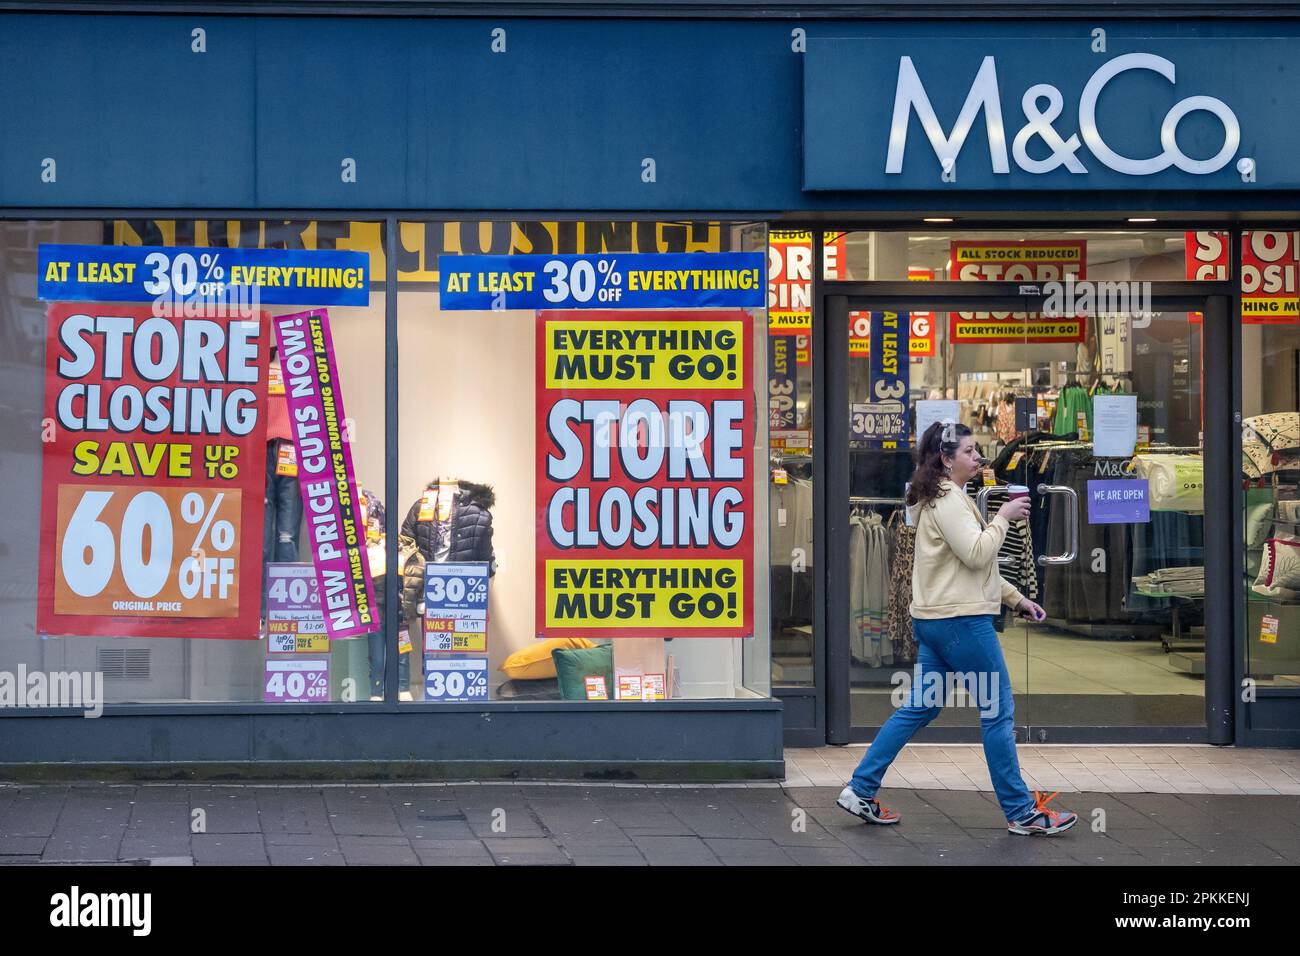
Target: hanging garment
868,591
898,616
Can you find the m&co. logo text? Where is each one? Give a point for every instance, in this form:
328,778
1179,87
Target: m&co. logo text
1042,105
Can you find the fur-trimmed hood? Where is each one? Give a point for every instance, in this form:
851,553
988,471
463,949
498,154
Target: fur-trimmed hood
481,495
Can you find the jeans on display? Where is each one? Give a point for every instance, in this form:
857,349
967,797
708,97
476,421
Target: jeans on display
283,519
379,660
946,647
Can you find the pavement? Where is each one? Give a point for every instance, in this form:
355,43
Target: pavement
1069,768
558,824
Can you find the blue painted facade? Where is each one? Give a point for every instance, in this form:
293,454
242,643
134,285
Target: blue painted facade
564,118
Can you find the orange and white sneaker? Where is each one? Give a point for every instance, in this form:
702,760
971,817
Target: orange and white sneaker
1043,822
869,810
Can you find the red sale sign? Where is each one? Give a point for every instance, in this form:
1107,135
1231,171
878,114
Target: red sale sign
1016,262
645,474
921,337
154,473
1270,266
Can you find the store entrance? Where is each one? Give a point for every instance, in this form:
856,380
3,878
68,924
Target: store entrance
1108,419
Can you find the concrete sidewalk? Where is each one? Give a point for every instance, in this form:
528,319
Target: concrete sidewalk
633,824
1189,768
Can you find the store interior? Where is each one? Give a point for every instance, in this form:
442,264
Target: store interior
1124,642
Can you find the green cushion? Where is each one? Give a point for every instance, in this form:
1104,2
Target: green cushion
574,664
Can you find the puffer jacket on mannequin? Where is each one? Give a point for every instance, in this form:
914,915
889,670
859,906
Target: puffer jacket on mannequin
468,529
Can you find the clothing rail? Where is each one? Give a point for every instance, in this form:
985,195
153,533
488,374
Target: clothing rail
859,500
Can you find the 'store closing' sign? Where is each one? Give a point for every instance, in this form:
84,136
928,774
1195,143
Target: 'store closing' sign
645,436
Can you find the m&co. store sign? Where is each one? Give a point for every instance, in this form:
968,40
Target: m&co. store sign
1016,262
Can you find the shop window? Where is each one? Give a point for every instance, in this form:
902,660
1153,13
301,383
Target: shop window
528,470
1270,398
178,464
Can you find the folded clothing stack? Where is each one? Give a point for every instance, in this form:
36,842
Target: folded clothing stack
1175,582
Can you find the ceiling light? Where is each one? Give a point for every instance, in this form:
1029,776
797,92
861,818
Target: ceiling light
936,219
1141,220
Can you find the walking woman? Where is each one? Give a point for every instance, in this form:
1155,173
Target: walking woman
956,591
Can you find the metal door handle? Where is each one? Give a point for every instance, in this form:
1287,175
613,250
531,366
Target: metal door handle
1071,523
982,503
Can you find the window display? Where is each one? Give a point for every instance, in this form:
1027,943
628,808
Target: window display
580,452
202,531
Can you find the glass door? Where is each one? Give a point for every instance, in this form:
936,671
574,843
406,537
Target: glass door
902,373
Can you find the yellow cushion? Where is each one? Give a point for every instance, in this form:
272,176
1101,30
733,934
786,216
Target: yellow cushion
534,663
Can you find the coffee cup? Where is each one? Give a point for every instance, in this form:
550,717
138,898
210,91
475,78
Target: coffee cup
1017,491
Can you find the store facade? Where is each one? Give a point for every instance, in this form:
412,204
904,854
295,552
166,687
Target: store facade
1079,230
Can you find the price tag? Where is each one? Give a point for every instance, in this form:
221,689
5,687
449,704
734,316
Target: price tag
428,505
652,687
296,681
629,686
1268,627
404,644
274,379
596,689
1015,460
455,680
1081,422
286,460
161,552
294,621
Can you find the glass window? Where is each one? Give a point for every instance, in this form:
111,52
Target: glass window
530,446
151,448
1270,395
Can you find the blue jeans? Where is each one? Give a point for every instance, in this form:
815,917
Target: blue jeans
378,649
283,518
964,649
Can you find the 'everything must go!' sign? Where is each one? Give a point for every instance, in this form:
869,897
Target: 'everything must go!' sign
645,436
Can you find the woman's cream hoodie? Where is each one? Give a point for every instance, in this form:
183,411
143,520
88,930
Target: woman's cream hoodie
955,571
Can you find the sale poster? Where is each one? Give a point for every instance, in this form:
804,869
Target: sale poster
336,531
295,681
1270,272
1032,262
782,383
455,607
921,338
645,474
153,473
790,284
883,420
294,622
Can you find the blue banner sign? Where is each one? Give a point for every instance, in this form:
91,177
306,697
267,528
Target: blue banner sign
192,275
883,420
692,280
1124,501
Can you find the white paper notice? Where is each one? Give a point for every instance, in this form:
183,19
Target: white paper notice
1114,425
931,410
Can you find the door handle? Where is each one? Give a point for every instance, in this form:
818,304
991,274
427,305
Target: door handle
982,503
1071,524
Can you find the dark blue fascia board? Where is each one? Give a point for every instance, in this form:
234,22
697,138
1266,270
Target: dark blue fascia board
437,122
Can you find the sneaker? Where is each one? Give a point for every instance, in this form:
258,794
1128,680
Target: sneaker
1043,821
404,695
869,810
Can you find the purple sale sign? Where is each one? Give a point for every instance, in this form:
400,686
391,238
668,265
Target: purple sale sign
296,682
1123,501
325,475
